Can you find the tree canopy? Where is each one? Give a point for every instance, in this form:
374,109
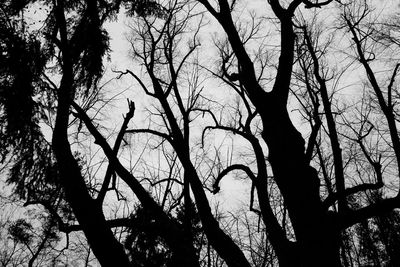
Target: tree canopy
235,133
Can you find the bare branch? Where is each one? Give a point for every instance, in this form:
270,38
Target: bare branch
378,208
390,86
150,131
144,87
117,144
233,167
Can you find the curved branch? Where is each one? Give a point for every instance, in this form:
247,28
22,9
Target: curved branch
307,4
233,167
209,112
121,73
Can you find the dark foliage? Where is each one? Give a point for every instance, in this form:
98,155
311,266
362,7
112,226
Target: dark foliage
33,169
144,242
20,231
145,8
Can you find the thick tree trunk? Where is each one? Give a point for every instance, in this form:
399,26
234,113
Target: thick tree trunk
105,247
90,216
315,228
316,233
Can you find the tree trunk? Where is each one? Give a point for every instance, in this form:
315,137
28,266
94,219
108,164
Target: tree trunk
106,248
316,234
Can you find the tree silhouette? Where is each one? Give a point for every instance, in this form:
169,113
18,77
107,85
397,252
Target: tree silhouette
297,101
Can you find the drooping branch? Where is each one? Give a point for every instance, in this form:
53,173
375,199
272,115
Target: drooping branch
233,167
307,4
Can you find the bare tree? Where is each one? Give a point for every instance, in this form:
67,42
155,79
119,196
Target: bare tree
263,105
316,223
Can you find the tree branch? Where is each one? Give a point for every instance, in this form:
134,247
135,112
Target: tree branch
121,73
330,200
378,208
150,131
172,233
117,144
119,222
233,167
390,86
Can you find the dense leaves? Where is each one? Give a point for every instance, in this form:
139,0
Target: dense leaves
145,8
144,243
23,144
20,231
144,240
